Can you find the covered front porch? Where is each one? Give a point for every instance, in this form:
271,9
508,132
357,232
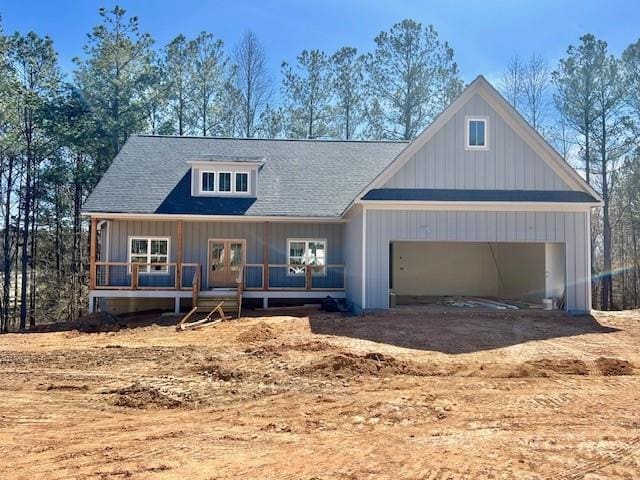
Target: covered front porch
184,260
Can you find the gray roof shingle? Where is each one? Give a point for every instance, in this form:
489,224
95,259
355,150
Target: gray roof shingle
310,178
450,195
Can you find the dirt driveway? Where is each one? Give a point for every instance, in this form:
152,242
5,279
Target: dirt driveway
415,394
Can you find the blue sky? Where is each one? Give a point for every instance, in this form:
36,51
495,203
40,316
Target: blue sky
484,34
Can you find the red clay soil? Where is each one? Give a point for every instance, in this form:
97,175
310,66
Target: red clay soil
414,394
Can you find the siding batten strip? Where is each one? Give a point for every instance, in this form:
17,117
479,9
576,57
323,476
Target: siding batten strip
364,258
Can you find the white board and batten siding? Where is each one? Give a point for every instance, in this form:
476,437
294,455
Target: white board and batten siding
509,163
353,236
386,226
512,162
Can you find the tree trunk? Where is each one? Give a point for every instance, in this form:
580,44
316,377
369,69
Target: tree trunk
6,250
24,259
77,240
636,266
33,258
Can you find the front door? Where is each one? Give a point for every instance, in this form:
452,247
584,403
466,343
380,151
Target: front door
226,258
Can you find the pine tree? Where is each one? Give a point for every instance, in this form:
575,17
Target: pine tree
413,76
348,83
112,76
306,92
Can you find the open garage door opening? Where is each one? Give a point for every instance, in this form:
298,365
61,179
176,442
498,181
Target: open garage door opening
518,274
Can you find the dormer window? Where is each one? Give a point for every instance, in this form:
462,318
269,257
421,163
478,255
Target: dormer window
218,176
476,135
242,182
208,181
214,183
224,182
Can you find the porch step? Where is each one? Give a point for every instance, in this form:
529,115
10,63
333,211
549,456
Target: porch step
230,305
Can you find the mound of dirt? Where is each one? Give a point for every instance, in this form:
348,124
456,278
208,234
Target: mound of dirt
498,370
613,367
260,332
262,351
311,346
351,365
216,372
564,366
100,322
91,323
144,396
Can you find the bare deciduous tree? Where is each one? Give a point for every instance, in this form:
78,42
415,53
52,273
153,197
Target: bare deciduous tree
252,81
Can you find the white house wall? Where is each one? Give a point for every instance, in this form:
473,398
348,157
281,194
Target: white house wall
353,259
509,163
385,226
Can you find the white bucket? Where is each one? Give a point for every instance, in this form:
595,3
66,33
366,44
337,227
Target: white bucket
547,303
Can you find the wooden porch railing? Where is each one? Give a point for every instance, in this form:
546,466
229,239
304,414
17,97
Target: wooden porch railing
295,277
174,276
195,287
143,276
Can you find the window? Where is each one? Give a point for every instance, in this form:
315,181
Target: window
476,135
224,182
151,253
208,181
242,182
306,252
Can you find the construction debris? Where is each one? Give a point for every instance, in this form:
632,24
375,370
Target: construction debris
207,321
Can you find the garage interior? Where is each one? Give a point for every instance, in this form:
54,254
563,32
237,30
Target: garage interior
514,274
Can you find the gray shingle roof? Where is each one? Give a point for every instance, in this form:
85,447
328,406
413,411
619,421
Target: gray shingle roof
450,195
299,177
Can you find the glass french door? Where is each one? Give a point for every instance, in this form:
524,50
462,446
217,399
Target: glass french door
226,260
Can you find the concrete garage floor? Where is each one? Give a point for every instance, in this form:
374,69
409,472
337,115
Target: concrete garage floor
448,273
458,301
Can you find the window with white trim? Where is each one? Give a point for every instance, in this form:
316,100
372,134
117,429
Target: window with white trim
242,182
151,252
214,182
477,133
306,252
224,182
208,182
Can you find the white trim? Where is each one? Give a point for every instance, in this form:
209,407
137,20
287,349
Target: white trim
588,279
211,218
103,228
197,172
149,240
481,86
364,257
212,293
307,241
212,163
483,206
476,118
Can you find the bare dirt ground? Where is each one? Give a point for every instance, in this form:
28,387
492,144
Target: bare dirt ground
414,394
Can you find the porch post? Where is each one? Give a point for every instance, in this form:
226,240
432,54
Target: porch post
265,256
93,234
179,256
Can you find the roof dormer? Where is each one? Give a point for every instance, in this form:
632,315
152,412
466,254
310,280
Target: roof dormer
223,176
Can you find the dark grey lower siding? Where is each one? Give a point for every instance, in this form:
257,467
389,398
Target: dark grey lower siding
385,226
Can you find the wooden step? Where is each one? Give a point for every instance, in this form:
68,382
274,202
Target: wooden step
230,305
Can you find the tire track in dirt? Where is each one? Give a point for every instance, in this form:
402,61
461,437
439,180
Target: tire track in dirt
599,462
